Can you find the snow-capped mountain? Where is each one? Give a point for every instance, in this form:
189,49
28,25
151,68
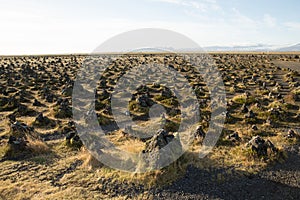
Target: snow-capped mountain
258,47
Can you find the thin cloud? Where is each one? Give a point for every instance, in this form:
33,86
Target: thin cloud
242,20
293,25
203,6
269,20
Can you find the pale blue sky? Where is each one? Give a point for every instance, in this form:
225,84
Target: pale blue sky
74,26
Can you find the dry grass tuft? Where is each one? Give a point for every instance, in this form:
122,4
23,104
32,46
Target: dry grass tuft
37,146
90,162
290,98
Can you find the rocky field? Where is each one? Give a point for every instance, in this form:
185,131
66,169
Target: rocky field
256,157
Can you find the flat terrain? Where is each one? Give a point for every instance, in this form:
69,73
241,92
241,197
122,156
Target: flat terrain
257,155
288,64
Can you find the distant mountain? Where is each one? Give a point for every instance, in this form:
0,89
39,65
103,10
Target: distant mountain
295,47
258,47
236,48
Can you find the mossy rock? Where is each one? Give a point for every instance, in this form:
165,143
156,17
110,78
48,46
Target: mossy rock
243,99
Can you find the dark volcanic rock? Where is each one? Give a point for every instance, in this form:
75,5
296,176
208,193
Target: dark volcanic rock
234,137
244,109
12,118
160,143
291,134
250,115
166,93
63,110
16,147
18,140
36,103
144,101
42,120
70,135
24,110
199,133
261,147
254,128
19,129
73,140
17,143
67,91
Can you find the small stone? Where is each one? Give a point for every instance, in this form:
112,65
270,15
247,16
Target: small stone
40,118
144,101
244,109
37,103
70,135
199,133
291,134
250,115
254,128
12,118
234,137
127,113
166,93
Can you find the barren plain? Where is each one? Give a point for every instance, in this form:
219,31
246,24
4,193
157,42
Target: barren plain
256,157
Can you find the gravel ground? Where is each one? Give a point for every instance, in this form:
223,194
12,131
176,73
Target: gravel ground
280,181
288,64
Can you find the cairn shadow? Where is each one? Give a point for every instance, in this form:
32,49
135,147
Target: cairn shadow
223,183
